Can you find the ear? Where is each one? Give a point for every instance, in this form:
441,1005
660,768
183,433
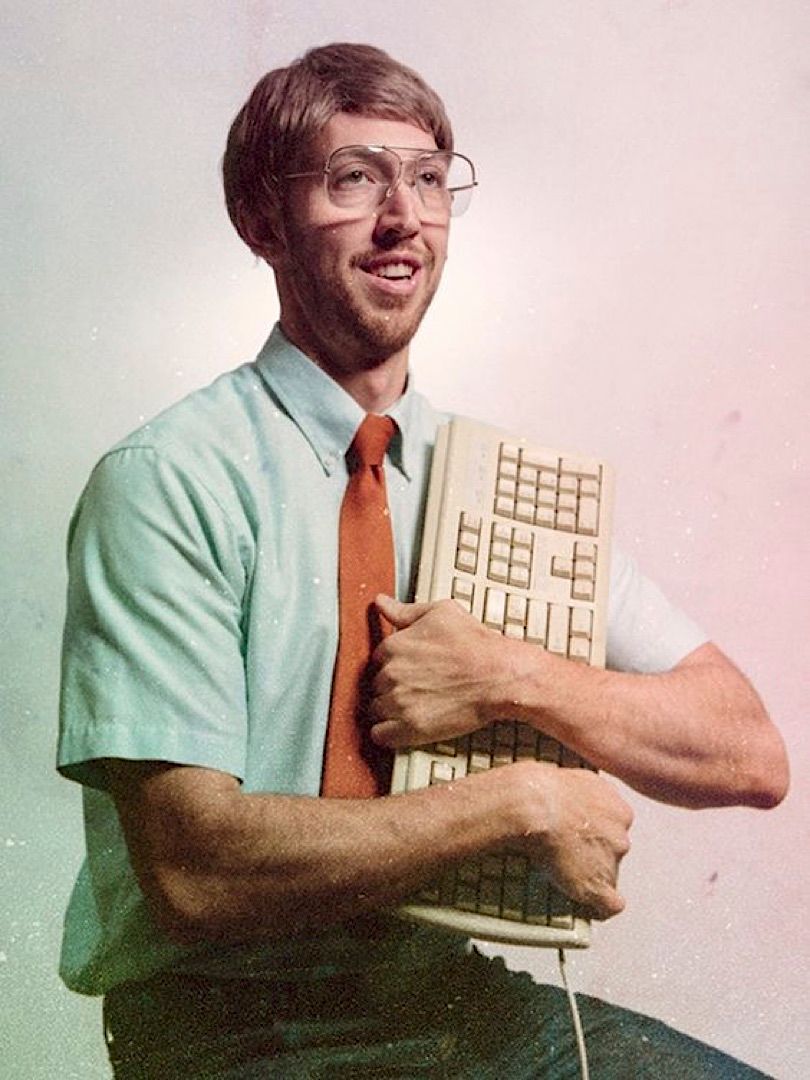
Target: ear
264,237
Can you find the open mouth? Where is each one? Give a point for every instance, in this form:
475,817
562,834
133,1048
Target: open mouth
395,269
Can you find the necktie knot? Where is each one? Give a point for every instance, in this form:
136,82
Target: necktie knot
371,441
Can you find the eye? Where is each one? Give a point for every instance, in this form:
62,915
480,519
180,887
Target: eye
432,176
354,176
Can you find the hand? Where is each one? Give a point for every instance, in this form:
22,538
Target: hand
577,830
435,676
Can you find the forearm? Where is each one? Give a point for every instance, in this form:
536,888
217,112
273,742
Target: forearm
697,735
694,736
235,866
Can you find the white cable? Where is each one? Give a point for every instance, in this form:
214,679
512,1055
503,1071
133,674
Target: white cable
572,1002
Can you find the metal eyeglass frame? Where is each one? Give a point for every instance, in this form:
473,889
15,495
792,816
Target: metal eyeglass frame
395,150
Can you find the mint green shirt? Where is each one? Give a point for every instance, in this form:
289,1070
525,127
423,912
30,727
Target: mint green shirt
202,629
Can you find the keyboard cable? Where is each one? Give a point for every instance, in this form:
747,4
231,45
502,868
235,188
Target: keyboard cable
572,1002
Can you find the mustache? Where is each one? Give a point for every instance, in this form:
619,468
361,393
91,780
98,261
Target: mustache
396,252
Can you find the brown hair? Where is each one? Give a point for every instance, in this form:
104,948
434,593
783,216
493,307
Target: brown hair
273,130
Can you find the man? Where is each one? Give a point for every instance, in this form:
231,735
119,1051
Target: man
237,918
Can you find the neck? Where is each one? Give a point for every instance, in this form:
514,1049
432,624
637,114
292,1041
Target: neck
375,386
376,390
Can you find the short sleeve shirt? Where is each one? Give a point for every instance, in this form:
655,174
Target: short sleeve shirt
202,628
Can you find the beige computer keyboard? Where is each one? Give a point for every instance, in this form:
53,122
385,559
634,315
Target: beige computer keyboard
519,536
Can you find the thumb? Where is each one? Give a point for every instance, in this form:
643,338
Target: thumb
398,614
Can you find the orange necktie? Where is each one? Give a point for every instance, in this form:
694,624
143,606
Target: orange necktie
353,766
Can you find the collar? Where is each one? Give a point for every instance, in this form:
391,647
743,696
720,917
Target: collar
325,414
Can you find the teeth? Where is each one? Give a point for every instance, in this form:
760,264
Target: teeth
394,270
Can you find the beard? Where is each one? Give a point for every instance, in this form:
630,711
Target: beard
347,329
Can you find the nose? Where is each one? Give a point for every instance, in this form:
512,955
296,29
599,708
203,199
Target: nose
398,213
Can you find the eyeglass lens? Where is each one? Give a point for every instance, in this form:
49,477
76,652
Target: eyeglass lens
365,176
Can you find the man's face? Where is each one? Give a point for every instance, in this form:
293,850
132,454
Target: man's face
337,304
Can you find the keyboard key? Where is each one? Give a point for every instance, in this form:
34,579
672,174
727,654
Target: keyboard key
582,589
565,520
548,749
570,760
468,542
498,570
463,589
480,762
492,866
588,516
449,748
516,609
489,896
526,736
584,568
521,556
581,622
466,560
588,469
540,460
494,608
567,501
558,629
562,920
536,622
545,516
579,649
519,576
441,772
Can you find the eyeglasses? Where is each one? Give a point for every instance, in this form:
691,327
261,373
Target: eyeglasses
363,177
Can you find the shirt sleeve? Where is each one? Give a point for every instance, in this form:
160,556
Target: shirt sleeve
645,633
152,665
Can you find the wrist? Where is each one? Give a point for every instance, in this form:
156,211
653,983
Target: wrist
513,686
523,800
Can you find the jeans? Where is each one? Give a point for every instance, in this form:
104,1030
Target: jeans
470,1019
